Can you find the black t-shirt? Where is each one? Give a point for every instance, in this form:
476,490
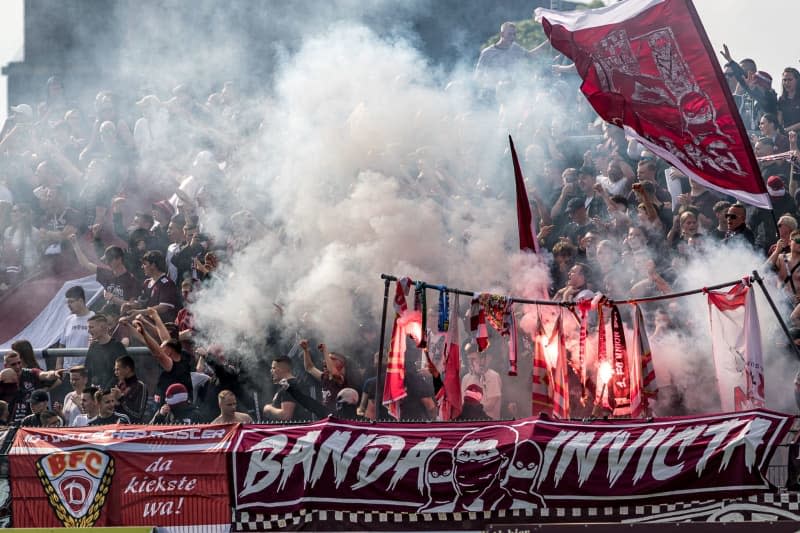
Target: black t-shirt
115,418
124,286
31,421
180,373
300,413
417,387
100,362
18,406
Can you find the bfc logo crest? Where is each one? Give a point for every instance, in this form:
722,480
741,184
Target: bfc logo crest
76,483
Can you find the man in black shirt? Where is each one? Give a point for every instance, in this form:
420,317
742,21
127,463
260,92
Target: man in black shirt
106,402
284,406
130,391
102,353
38,401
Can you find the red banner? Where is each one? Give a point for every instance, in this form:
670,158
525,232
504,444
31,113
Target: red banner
480,467
122,475
647,66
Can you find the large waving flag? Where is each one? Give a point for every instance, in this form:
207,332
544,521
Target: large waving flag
648,67
736,343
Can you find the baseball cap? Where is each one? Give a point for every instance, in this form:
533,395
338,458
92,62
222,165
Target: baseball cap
176,393
23,109
39,396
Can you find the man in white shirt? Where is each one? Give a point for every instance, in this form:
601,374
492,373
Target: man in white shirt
88,406
79,379
76,328
487,379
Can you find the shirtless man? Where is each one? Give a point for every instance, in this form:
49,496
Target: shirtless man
787,265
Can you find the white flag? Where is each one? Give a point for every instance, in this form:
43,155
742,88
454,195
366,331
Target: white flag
736,343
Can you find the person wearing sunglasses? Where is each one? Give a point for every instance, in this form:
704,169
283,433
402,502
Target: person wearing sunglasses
738,232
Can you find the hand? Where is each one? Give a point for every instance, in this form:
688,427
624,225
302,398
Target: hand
684,198
780,245
116,392
545,231
284,384
138,326
598,188
303,344
73,239
165,409
116,204
792,140
94,229
151,312
322,347
726,53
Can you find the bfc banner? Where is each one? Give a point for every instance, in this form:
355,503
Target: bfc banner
424,468
167,476
648,67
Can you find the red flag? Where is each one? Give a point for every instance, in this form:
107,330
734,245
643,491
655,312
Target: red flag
406,322
450,401
527,227
541,394
648,66
559,371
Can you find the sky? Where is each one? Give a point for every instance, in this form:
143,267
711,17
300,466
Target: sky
750,29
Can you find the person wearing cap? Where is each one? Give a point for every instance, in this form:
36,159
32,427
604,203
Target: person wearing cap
176,408
472,409
23,113
39,402
106,415
119,285
579,221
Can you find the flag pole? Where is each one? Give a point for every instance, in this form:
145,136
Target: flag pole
379,382
757,277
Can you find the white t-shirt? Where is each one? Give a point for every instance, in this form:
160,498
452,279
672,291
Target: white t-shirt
71,410
75,335
81,421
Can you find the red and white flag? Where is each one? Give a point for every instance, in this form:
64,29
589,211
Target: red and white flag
407,322
450,400
526,225
736,344
643,374
541,391
648,66
558,371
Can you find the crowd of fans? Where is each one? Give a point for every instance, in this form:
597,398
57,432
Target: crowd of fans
124,191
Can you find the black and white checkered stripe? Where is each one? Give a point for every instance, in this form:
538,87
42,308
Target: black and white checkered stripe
769,506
